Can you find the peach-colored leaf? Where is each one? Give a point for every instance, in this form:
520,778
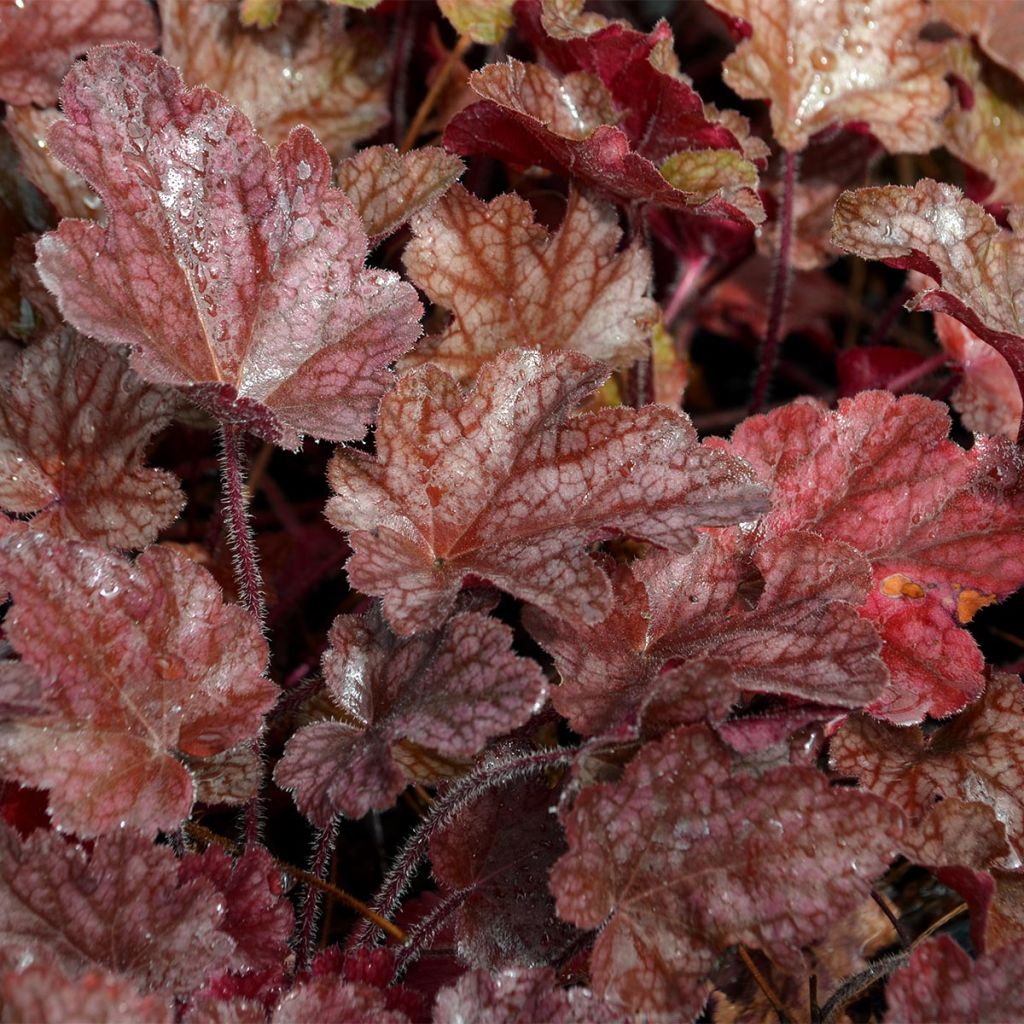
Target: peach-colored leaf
997,25
235,274
673,861
821,64
307,69
74,426
503,482
140,664
510,284
388,187
933,228
40,38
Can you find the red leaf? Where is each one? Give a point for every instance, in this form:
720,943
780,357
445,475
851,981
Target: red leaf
940,525
74,426
802,637
258,919
518,996
942,983
120,908
449,691
308,69
141,665
504,483
45,993
509,284
673,861
324,999
234,274
933,228
40,38
841,62
974,757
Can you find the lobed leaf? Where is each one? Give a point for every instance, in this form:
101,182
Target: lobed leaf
142,666
449,691
502,482
307,69
234,274
39,39
74,426
484,21
994,24
682,858
841,62
510,284
975,757
118,908
942,982
933,228
324,998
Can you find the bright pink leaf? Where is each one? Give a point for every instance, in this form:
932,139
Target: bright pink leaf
42,992
74,426
449,691
257,918
675,863
840,62
510,284
40,38
942,983
234,274
142,664
799,634
518,996
501,848
388,187
308,69
119,908
933,228
976,756
504,483
941,526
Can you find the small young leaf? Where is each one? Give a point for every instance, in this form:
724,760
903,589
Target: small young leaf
509,284
504,483
449,691
74,426
40,38
674,862
141,664
235,275
840,62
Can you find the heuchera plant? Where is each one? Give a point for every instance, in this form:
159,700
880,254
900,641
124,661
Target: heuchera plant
381,639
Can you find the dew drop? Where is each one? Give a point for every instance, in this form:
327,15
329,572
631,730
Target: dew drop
92,202
303,229
111,590
303,171
823,59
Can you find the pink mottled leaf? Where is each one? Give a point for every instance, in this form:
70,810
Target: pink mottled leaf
673,863
502,482
388,187
42,992
799,634
234,273
518,996
326,999
119,908
942,983
40,38
976,757
501,848
840,62
933,228
942,527
142,666
74,426
510,284
449,691
308,69
255,916
987,397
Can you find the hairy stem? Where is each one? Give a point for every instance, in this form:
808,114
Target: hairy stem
445,810
421,936
436,87
319,866
781,276
236,519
